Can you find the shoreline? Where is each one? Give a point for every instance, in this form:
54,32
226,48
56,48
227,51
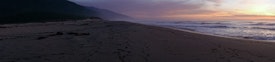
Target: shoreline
196,32
232,37
255,32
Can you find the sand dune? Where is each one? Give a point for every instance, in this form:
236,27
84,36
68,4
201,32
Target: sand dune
109,41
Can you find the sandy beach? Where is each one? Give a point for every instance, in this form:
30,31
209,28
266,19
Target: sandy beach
118,41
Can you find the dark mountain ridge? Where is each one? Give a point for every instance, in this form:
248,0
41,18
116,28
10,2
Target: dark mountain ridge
22,11
17,11
56,6
107,14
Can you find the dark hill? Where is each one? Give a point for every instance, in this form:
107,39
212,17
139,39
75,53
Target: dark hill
16,11
107,14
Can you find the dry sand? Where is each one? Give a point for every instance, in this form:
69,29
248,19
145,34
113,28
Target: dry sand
109,41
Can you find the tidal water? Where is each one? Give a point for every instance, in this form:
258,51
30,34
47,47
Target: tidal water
257,30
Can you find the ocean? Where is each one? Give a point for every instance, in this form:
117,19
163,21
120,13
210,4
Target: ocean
257,30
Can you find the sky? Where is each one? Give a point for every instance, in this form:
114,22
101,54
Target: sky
189,9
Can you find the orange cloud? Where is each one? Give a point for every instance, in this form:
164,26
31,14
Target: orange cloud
250,17
218,15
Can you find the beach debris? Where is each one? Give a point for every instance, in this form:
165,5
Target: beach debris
44,37
78,34
40,38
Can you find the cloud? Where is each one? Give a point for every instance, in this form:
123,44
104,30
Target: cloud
151,8
250,16
216,2
186,9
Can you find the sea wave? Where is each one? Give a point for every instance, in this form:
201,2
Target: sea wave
244,29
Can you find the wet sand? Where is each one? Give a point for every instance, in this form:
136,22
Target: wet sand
116,41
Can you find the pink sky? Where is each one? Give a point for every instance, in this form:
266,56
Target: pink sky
189,9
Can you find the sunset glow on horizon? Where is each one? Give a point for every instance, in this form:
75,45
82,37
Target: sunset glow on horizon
189,9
